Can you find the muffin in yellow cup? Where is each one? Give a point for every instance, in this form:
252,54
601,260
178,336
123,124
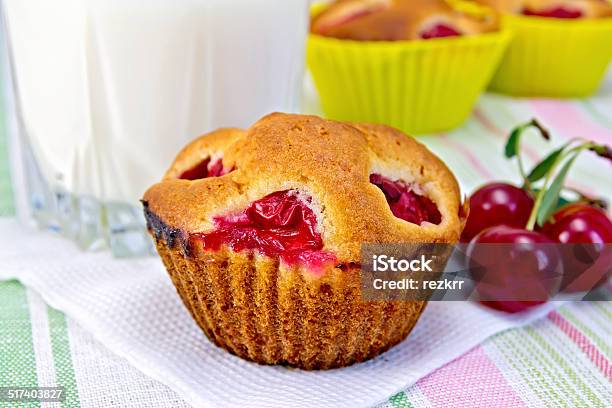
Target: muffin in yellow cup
560,48
381,61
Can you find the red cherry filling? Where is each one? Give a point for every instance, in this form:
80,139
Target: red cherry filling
278,225
439,31
205,169
556,12
405,203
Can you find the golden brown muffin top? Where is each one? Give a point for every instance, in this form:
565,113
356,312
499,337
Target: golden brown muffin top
390,20
330,162
586,8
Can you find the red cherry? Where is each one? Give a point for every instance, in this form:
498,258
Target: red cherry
556,12
497,204
521,270
440,31
585,266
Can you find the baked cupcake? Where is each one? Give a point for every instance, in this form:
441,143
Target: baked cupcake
417,65
552,40
388,20
563,9
261,232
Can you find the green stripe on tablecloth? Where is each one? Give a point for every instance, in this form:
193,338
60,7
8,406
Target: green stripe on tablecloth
556,379
521,368
603,306
400,400
6,191
575,354
523,363
552,372
601,343
600,319
17,360
568,371
64,369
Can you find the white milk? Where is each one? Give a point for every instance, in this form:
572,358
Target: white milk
110,90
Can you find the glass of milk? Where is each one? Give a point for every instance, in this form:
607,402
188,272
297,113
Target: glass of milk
108,91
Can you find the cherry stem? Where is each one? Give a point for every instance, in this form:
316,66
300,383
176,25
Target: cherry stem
574,151
533,123
521,167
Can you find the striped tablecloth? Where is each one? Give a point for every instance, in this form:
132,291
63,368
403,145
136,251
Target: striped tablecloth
562,360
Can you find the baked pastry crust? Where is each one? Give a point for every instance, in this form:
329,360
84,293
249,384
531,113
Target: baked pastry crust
390,20
331,162
589,8
262,309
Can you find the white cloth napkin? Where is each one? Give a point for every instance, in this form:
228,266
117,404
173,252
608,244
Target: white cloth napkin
132,308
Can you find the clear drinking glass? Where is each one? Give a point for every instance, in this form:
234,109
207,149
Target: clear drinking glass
107,92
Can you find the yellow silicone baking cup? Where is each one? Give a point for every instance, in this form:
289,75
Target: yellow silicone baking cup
554,58
416,86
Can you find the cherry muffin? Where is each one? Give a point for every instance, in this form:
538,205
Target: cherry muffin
564,9
393,20
552,40
261,230
416,65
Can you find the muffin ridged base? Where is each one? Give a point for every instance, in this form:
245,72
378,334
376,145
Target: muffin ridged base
271,314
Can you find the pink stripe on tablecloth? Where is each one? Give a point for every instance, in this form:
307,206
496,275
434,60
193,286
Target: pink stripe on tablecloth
570,121
465,152
472,380
600,361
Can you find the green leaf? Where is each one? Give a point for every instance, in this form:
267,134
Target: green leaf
563,200
512,146
542,168
550,200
